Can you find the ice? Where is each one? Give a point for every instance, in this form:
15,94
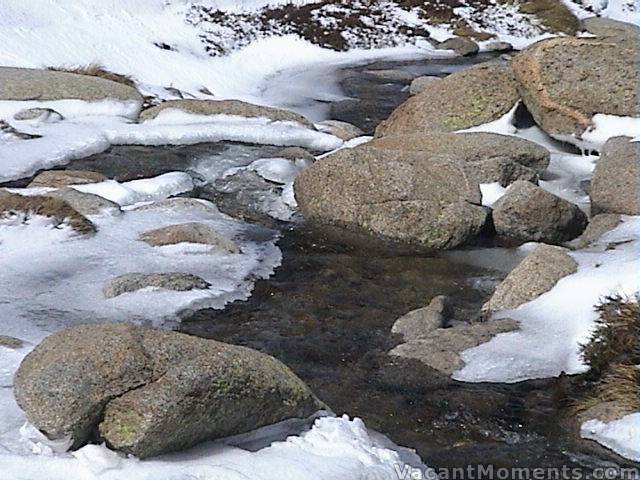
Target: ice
64,141
553,326
622,436
143,190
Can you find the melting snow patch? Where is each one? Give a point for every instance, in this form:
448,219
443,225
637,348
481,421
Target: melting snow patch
622,436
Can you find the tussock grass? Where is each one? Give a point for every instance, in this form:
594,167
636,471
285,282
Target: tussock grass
616,339
613,353
95,70
12,204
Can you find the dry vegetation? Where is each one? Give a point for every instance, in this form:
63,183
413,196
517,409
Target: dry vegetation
94,70
613,353
12,204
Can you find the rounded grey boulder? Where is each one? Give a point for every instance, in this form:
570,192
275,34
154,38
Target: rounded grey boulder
529,213
147,392
399,196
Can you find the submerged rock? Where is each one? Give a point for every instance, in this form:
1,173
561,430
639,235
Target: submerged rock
464,99
189,233
536,274
400,196
147,392
615,186
529,213
131,282
44,85
460,45
486,157
564,82
441,348
64,178
225,107
421,322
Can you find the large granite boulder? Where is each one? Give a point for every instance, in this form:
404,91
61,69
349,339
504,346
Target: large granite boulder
147,391
225,107
564,82
598,225
462,100
535,275
615,186
529,213
399,196
43,85
486,157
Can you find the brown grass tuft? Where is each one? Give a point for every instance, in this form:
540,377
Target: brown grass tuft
94,70
620,386
55,208
616,339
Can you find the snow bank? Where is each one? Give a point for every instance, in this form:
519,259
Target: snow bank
622,436
333,449
553,326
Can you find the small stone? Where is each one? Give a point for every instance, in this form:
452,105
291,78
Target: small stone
343,130
64,178
392,76
441,349
421,322
189,233
598,226
10,342
85,203
460,45
131,282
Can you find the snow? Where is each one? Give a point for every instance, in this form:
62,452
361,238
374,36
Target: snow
143,190
491,193
553,326
622,436
80,137
622,10
333,449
